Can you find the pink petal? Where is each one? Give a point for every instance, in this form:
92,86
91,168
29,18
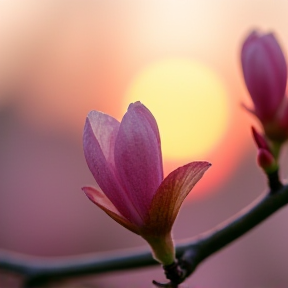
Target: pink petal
98,142
170,195
138,157
279,63
105,129
265,73
266,160
282,117
260,140
99,198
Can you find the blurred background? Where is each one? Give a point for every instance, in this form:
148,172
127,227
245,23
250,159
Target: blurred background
61,59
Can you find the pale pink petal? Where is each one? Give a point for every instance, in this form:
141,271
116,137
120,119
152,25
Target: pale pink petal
170,195
105,129
101,169
99,198
138,157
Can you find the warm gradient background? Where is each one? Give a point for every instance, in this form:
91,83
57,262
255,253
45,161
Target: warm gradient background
61,59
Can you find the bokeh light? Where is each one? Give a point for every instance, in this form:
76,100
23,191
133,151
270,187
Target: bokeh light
189,102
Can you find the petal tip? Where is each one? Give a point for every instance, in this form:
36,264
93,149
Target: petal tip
134,104
87,193
204,163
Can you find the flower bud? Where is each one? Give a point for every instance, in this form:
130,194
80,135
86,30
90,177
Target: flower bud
265,157
265,73
260,140
266,161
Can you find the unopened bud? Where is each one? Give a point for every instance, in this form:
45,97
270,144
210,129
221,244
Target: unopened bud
266,161
260,140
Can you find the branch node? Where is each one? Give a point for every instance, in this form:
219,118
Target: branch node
274,182
175,273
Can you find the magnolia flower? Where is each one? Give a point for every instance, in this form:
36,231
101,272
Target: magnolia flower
265,73
126,161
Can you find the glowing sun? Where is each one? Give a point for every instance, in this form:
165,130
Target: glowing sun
189,102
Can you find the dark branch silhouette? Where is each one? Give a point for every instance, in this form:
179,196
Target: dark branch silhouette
190,254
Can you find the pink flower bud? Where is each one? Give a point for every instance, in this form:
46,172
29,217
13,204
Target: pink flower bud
266,161
265,157
265,73
126,161
260,140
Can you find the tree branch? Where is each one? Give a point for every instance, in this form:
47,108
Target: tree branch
190,254
230,230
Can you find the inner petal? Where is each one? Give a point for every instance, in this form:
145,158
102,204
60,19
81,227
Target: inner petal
138,156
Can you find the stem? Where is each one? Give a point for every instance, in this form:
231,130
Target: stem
39,270
276,148
274,182
231,230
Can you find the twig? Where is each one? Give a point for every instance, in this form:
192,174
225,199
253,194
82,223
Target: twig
190,254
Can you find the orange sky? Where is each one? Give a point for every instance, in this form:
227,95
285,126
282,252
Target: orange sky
65,58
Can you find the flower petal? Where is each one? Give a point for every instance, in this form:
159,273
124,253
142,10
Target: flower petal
105,129
170,195
138,157
98,142
99,198
279,63
260,140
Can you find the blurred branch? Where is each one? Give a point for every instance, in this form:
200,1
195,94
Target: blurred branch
190,254
241,223
39,270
